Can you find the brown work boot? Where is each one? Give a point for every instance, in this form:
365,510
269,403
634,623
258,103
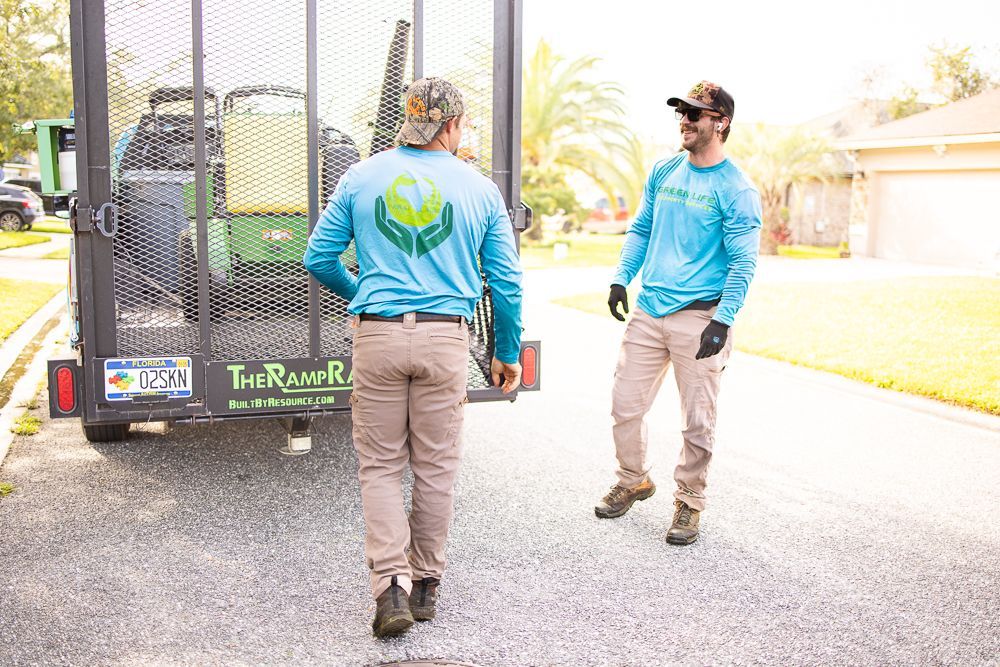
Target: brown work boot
619,499
392,612
684,529
423,597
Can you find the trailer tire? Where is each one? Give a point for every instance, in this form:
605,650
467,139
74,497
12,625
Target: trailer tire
105,432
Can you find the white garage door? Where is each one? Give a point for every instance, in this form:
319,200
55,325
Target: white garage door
938,217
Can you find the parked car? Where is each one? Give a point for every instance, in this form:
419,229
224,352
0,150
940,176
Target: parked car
19,208
602,220
50,203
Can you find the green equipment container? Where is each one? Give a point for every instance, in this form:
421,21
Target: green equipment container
56,154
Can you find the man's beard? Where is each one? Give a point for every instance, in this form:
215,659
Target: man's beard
702,138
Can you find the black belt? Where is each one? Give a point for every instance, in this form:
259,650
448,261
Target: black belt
702,305
420,317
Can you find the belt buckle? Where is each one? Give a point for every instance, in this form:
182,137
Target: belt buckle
409,320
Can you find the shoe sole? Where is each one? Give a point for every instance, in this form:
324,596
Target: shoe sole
680,541
394,626
421,614
614,515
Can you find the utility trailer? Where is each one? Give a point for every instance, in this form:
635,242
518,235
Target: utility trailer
209,135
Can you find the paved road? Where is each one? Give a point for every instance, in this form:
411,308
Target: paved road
37,250
43,270
844,526
26,263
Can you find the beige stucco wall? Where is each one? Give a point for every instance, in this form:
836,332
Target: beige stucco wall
927,158
942,158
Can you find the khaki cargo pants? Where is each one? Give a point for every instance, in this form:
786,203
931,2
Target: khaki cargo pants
648,348
407,406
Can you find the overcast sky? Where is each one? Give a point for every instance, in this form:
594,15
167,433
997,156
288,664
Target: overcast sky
783,61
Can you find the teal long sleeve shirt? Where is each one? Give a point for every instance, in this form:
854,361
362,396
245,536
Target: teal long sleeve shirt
695,237
423,223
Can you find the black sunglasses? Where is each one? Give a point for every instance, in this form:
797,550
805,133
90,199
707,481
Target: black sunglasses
693,114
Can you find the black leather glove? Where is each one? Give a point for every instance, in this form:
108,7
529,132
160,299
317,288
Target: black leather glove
618,295
713,339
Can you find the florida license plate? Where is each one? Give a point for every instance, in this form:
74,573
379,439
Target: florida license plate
154,376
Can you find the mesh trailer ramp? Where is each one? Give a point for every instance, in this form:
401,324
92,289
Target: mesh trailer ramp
209,137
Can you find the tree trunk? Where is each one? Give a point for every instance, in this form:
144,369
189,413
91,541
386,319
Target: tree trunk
774,231
534,233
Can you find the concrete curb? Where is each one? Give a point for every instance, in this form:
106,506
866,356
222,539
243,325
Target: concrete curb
25,366
914,402
11,348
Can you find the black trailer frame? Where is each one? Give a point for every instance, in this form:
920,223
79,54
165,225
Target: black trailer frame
240,388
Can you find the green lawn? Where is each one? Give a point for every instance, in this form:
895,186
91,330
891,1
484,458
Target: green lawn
809,252
19,299
52,225
936,337
62,253
603,250
580,250
18,239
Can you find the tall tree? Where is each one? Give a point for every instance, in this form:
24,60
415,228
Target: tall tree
35,78
956,77
779,159
905,104
570,123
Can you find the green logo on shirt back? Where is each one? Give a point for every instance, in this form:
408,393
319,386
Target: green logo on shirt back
407,215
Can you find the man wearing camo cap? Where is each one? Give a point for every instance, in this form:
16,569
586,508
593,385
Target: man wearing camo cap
695,237
420,219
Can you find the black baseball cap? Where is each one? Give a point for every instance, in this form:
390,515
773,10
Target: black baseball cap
707,95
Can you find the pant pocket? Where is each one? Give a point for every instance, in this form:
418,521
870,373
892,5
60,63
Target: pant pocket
454,432
358,421
457,335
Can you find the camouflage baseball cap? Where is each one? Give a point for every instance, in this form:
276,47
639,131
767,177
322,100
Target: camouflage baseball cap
429,103
707,95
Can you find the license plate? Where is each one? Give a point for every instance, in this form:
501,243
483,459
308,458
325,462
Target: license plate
154,376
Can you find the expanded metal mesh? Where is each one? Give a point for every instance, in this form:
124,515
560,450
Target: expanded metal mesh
364,62
152,174
458,46
481,342
257,157
259,296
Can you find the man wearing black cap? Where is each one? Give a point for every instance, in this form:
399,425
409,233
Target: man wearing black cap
695,237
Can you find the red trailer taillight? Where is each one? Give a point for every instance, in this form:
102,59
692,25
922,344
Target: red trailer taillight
529,367
65,391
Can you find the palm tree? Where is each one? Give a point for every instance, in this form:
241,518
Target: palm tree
778,159
571,124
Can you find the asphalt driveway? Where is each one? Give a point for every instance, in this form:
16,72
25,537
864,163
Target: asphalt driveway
845,525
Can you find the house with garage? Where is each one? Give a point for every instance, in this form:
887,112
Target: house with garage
820,210
925,187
